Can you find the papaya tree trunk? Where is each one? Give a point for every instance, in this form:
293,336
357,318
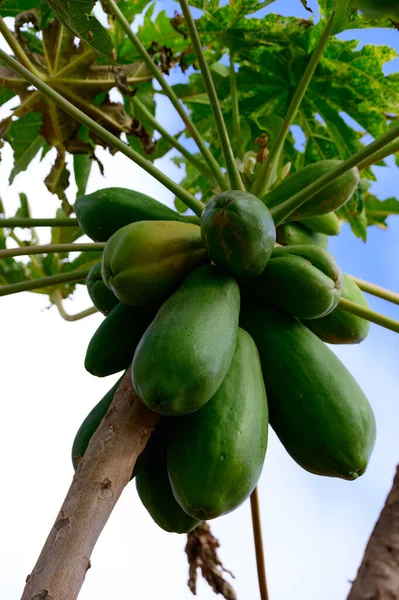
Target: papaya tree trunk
96,487
378,575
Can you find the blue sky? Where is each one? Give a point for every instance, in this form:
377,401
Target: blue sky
315,529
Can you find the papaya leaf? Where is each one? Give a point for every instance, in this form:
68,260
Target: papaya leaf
81,167
12,8
83,260
57,180
64,235
25,139
77,16
354,210
377,211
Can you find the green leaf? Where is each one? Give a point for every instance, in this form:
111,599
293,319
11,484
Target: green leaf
12,8
24,209
81,166
378,211
77,16
354,211
84,260
25,139
5,95
57,180
64,235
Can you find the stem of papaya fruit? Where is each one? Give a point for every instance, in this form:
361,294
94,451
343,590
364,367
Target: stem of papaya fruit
369,315
43,282
188,199
28,223
51,249
191,128
260,556
266,170
235,108
57,299
376,290
201,167
232,170
384,153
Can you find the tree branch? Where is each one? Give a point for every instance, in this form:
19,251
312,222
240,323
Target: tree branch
378,575
96,487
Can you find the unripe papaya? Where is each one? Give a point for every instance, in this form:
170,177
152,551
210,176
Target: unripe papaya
91,424
186,352
216,455
328,224
112,346
155,492
294,233
103,212
145,262
341,327
301,280
316,407
102,297
238,232
327,200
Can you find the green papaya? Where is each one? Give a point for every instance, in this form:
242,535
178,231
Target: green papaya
304,281
155,492
90,425
102,297
112,346
185,353
328,224
379,8
295,233
216,455
316,407
238,232
145,262
103,212
327,200
340,327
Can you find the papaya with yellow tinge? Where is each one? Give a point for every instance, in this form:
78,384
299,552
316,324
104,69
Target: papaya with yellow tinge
145,262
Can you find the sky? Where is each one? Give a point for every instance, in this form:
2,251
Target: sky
315,529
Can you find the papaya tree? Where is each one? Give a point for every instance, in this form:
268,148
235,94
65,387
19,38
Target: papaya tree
220,314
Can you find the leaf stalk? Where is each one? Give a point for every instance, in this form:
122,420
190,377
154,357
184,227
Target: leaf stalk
369,315
51,249
43,282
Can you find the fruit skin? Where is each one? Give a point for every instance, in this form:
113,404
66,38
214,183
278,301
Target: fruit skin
112,346
186,352
103,212
304,281
340,327
327,200
145,262
296,233
102,297
155,492
379,8
238,232
328,224
216,455
316,407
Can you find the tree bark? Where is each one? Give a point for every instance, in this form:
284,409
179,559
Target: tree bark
96,487
378,575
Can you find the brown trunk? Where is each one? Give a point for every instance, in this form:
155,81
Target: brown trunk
378,575
96,487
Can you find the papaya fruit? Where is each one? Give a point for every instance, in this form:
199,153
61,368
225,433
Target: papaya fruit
316,407
340,327
379,8
101,296
304,281
328,224
145,262
112,346
238,232
155,491
103,212
296,233
327,200
185,353
216,455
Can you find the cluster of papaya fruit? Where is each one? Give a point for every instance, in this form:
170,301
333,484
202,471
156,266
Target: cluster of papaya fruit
225,330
